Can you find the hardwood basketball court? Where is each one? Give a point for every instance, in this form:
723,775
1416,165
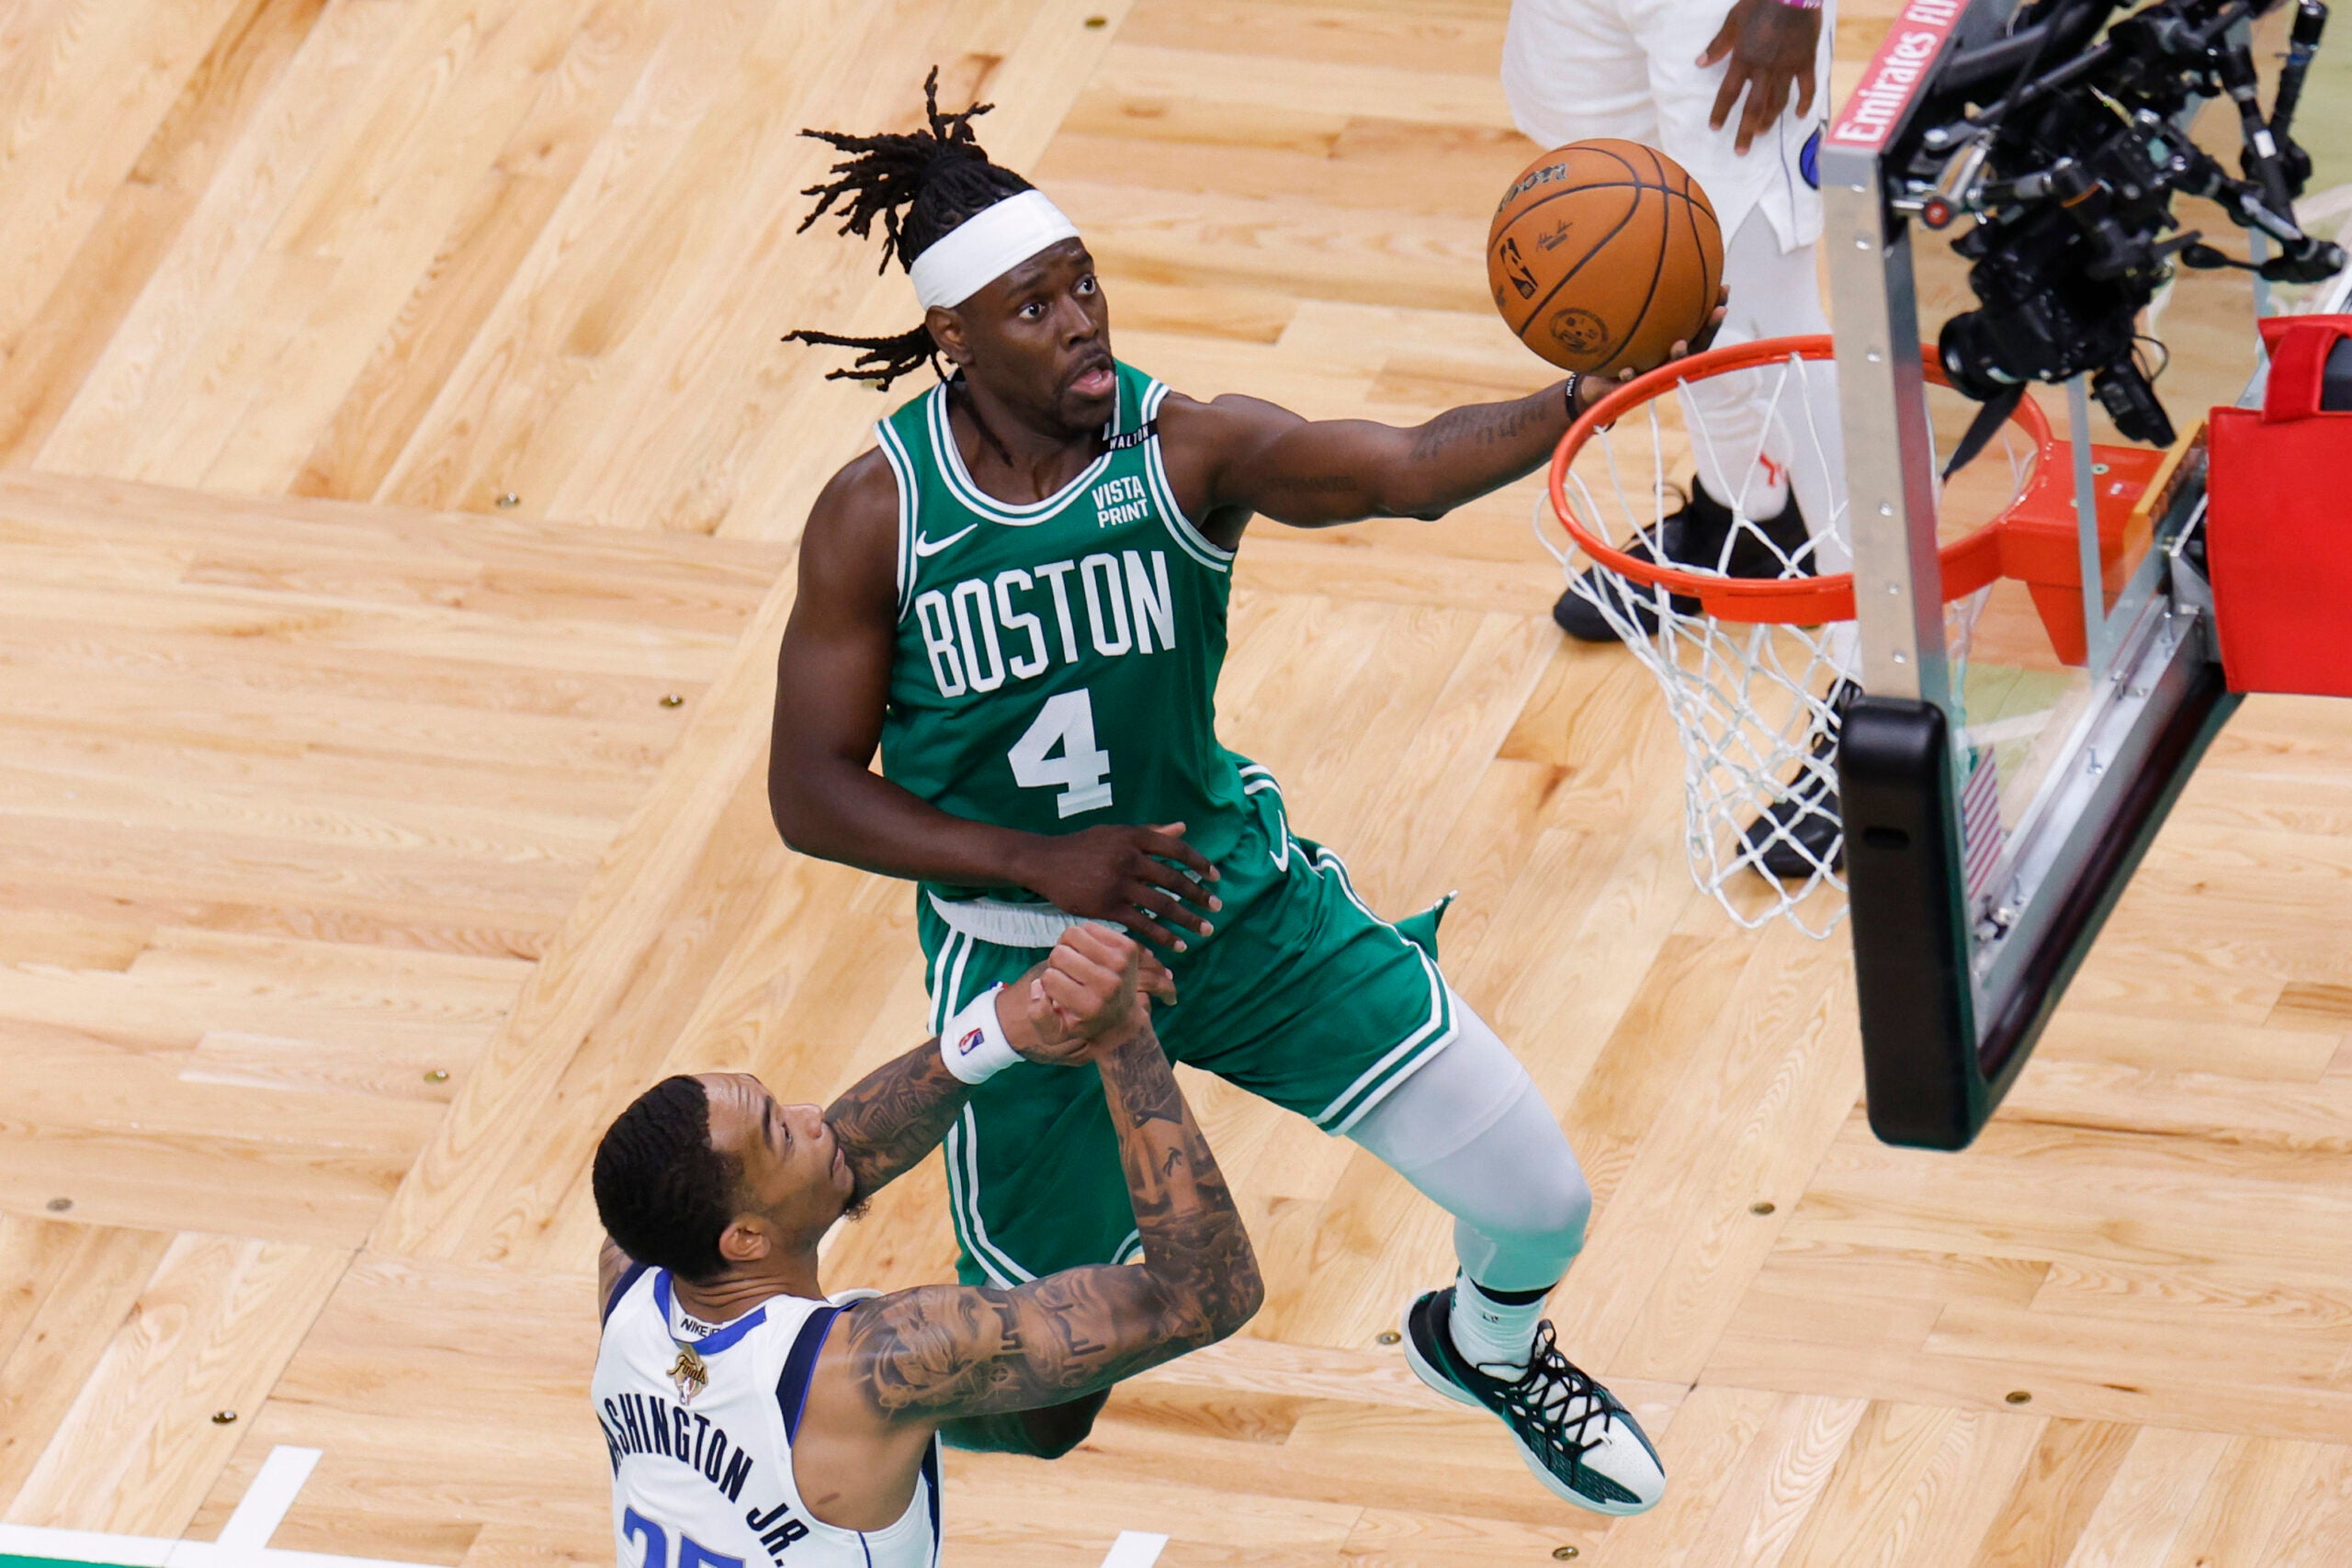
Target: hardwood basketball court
401,477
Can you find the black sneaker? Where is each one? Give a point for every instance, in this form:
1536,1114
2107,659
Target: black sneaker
1692,534
1578,611
1768,548
1802,832
1580,1443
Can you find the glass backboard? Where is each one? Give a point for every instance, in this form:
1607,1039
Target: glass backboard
2019,747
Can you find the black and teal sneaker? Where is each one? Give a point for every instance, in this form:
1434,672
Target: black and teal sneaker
1571,1432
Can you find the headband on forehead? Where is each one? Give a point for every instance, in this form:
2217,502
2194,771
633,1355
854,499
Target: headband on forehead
985,246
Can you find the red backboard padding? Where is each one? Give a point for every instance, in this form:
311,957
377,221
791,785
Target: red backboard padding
2279,523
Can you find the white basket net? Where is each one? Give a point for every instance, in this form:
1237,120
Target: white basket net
1756,704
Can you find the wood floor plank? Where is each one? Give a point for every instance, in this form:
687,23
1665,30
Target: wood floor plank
90,1279
2243,1506
54,349
359,859
2062,1483
222,239
210,1331
465,1168
2312,1525
622,211
78,111
1777,1484
2148,1503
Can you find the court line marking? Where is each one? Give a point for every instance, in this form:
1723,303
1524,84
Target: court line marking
243,1543
266,1500
1134,1549
244,1540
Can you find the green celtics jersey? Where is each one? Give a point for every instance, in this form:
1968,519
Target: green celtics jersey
1057,662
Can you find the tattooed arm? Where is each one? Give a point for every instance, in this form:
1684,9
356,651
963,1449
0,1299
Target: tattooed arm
896,1114
1235,455
894,1367
939,1352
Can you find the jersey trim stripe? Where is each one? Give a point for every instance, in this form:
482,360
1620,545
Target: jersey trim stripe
941,1012
635,1271
1189,539
949,460
713,1343
946,983
1257,779
902,468
1375,1084
1393,1068
955,986
963,1165
800,1366
949,961
1382,1077
931,1477
964,1200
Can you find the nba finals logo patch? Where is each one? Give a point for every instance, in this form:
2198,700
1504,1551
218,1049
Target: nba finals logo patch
688,1375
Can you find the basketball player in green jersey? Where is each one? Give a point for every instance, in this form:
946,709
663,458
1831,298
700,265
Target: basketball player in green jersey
1019,596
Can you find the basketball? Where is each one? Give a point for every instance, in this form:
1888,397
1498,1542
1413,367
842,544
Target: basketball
1604,254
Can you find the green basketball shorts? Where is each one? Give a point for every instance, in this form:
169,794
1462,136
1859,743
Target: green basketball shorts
1302,996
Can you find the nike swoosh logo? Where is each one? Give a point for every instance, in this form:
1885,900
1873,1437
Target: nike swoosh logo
932,546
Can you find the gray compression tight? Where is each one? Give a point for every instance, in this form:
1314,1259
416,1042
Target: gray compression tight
1472,1132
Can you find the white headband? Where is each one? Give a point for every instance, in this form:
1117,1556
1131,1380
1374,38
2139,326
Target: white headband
985,246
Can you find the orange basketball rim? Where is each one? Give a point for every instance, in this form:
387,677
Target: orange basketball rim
1969,563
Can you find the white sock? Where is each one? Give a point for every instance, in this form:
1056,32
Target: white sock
1490,1333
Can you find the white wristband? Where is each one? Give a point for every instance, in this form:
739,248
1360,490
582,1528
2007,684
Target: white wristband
972,1045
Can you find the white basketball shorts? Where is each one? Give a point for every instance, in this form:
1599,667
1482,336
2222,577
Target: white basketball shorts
1574,69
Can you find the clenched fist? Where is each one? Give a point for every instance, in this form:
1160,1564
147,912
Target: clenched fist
1090,996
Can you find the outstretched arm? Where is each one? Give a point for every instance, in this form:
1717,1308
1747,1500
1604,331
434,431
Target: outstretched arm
896,1367
896,1114
940,1351
1243,455
1235,455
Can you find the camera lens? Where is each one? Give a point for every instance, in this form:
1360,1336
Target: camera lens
1971,358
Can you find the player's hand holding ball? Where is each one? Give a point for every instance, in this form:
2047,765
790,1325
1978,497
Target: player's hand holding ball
1605,258
1092,994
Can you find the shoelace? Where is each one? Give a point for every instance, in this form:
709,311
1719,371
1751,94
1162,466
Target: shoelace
1549,1386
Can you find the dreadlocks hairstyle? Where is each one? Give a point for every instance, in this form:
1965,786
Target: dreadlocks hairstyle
665,1194
921,184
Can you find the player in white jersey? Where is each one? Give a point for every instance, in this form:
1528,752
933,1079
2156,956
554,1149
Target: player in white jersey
753,1419
1770,478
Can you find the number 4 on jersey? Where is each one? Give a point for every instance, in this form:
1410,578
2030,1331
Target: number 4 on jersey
1081,773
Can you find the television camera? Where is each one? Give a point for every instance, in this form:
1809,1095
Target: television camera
2065,140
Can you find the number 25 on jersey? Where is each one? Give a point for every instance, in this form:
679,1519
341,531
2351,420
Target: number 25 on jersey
692,1553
